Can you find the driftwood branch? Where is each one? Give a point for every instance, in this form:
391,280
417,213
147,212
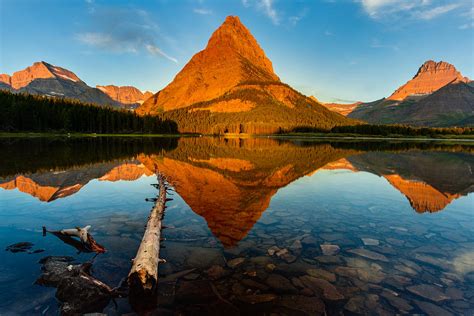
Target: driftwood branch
143,276
87,242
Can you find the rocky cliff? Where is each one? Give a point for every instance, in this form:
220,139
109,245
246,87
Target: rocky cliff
126,95
430,77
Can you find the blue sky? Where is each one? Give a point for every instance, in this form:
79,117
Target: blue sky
337,50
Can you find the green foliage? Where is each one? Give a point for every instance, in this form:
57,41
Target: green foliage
57,153
22,112
269,116
387,130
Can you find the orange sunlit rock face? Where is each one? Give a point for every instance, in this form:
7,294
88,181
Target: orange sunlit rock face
422,196
231,193
229,209
231,56
39,70
126,172
27,185
125,94
60,185
344,109
430,77
342,163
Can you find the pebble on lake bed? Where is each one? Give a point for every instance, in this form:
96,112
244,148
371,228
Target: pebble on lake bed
330,250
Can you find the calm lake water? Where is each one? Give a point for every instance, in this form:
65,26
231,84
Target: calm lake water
256,226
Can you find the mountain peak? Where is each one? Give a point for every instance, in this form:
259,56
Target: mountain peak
231,57
232,34
125,94
39,70
430,77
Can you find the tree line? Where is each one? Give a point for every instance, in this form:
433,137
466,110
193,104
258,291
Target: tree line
32,113
387,130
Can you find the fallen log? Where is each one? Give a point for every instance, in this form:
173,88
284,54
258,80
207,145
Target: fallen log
143,276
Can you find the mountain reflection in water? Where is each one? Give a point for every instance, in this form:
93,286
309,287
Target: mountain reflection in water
230,182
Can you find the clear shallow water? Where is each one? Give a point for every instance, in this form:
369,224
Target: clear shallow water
267,226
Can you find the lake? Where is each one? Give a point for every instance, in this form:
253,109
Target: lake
256,225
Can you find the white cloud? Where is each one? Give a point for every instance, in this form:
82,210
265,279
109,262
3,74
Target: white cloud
267,7
294,19
202,11
470,16
123,30
411,9
466,26
377,8
156,51
436,11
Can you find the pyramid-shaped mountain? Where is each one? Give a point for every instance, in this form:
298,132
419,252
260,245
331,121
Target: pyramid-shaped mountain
230,86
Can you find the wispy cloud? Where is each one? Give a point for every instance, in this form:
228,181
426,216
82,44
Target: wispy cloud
267,7
294,19
123,30
156,51
466,26
470,16
202,11
411,9
277,16
377,44
264,6
436,11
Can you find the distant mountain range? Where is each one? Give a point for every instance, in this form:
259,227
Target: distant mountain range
128,96
341,108
230,87
437,96
45,79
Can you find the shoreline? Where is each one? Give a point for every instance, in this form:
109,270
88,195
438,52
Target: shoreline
295,136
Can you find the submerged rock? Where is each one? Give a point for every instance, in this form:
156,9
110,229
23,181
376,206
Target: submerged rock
23,246
370,242
257,299
356,305
396,301
330,250
368,254
329,259
77,290
323,274
316,285
432,310
216,272
427,291
235,262
280,284
302,304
